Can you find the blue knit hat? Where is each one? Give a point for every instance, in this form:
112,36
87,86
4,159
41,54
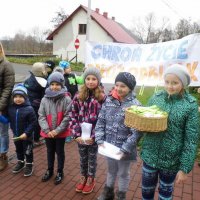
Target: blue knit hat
64,64
20,89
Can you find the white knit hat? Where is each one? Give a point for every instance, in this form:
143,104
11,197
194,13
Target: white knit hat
181,72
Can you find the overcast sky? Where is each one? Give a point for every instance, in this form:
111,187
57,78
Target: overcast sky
24,15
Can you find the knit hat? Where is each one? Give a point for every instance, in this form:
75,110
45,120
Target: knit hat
38,69
92,71
58,69
64,64
49,66
56,77
126,78
180,71
20,89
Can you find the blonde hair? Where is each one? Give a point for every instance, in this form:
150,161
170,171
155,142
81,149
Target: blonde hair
97,93
2,54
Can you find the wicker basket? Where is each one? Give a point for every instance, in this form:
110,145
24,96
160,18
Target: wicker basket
141,123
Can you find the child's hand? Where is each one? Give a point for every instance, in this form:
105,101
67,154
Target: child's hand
181,177
79,140
89,141
54,133
23,136
50,134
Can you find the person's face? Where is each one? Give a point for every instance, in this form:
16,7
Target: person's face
54,86
18,99
122,89
173,84
91,82
67,70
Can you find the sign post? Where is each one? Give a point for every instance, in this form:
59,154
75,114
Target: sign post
76,45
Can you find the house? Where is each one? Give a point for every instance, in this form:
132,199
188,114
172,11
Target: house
102,29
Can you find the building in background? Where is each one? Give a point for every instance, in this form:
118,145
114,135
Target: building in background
102,29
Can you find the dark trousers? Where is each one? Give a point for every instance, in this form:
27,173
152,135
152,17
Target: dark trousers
150,178
88,159
55,146
24,150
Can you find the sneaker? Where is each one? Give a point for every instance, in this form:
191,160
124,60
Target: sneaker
81,184
89,186
28,169
58,178
18,167
48,174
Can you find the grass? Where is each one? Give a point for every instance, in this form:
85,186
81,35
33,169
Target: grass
31,60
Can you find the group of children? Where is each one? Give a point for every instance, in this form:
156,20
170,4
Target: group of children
168,155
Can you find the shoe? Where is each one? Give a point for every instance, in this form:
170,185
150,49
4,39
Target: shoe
59,178
107,194
3,161
89,186
47,176
81,184
28,169
18,167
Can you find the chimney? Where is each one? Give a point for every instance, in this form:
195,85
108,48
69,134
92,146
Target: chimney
105,14
113,18
97,10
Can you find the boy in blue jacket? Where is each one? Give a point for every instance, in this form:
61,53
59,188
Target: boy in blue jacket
22,122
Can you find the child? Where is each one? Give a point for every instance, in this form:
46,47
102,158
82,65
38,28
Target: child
71,80
50,65
85,108
110,128
22,122
54,120
170,154
36,85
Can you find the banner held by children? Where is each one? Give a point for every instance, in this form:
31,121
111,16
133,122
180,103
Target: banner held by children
146,61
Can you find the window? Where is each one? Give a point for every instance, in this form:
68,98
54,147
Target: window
82,29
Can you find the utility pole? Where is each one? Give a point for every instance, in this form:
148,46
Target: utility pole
88,21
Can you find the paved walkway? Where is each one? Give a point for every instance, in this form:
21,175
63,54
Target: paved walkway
16,186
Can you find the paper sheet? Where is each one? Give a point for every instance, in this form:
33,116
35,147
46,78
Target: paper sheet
86,129
110,151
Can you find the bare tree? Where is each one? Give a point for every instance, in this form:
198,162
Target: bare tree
59,18
146,29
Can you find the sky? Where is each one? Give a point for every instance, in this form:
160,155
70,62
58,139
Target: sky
25,15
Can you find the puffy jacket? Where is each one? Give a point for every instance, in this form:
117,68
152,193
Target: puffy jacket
22,119
110,126
7,80
175,148
54,115
35,90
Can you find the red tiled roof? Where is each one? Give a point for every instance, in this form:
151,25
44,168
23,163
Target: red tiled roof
112,27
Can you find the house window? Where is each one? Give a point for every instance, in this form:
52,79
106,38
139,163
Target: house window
82,29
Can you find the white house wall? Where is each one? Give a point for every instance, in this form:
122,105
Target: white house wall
63,42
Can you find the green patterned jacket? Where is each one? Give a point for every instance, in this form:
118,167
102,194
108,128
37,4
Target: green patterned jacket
173,149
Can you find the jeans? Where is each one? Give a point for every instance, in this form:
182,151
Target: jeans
4,138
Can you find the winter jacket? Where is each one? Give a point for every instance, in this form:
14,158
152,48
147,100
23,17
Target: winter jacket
86,111
7,80
35,90
22,119
110,126
175,148
54,115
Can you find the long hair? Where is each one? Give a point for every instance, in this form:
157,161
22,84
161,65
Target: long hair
97,93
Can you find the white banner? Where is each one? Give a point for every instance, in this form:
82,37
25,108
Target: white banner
145,61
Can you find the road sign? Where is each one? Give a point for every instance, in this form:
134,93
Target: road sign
77,43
